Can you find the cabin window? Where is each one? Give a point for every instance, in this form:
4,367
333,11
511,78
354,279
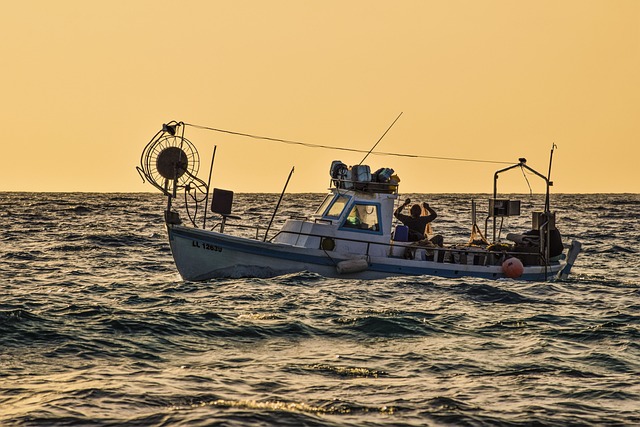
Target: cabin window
363,217
324,205
338,206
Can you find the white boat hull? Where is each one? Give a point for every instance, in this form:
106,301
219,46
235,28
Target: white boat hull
203,255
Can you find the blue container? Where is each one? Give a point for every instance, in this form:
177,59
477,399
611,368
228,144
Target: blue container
401,234
385,174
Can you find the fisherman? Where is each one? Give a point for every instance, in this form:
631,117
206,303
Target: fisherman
417,222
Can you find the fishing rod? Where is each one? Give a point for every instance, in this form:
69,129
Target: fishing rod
376,144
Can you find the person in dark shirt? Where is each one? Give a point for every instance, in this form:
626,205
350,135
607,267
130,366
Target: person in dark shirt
417,223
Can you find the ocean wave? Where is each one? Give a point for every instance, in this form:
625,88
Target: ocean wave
342,371
488,293
376,326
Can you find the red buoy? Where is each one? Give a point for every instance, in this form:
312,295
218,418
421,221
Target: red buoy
513,268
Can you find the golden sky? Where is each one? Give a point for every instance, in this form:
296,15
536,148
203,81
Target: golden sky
86,84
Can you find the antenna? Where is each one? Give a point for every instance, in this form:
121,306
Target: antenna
374,145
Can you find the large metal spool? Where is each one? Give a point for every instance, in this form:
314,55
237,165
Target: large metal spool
170,159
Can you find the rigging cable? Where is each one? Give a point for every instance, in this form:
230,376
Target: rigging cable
353,150
527,179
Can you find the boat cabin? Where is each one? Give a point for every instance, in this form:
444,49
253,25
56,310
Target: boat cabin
355,217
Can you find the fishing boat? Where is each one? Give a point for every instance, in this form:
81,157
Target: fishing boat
352,234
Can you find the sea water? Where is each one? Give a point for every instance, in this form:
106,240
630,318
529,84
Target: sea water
97,328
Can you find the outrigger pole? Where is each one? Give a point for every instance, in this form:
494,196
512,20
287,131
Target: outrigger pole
206,199
549,182
376,144
522,163
278,205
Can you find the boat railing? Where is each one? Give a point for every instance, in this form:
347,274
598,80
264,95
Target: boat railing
439,254
222,224
478,255
464,255
322,221
365,186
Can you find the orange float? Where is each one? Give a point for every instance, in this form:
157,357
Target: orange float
512,268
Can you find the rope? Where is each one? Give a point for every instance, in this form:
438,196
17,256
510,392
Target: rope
352,150
528,183
335,264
